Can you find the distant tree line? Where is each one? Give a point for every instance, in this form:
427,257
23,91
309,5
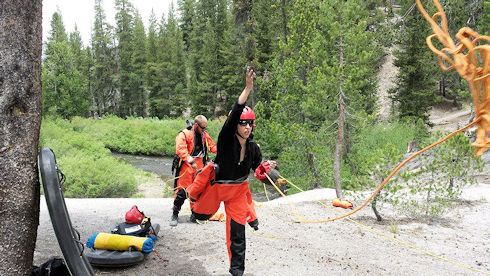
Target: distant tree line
193,58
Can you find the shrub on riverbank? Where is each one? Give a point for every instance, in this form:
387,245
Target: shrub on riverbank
83,150
147,136
90,169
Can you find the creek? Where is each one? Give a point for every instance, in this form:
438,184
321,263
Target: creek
161,166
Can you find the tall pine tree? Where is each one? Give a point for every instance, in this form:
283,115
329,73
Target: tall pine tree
103,78
171,98
124,34
140,96
64,86
417,79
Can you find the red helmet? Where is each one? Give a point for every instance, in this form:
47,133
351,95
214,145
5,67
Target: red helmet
247,114
134,216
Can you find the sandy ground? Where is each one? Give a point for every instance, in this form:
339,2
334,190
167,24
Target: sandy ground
386,76
281,247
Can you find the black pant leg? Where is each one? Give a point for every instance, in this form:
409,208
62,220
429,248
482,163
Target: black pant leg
179,200
237,248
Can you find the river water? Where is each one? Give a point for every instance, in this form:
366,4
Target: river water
162,167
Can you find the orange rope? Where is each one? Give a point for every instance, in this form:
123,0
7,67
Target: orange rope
471,61
378,189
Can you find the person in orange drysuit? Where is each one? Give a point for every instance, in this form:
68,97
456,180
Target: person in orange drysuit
225,179
191,146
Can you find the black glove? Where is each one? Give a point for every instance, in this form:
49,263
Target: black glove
254,224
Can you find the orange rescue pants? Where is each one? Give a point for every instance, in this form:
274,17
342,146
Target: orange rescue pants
239,210
186,177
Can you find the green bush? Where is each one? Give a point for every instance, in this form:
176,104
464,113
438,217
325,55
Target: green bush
437,185
427,190
83,149
377,147
90,169
304,157
148,136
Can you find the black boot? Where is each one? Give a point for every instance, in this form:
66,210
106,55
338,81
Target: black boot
236,272
174,220
192,218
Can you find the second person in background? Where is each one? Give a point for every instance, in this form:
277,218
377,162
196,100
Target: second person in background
191,146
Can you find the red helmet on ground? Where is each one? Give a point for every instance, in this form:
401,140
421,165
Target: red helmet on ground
247,114
134,216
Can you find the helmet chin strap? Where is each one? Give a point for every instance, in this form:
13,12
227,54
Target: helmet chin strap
239,135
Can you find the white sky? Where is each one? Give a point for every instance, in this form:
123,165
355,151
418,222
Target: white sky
81,13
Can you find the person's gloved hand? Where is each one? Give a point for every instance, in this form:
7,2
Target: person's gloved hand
261,170
192,162
254,224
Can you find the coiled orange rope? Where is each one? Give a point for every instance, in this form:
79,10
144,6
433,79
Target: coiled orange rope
471,59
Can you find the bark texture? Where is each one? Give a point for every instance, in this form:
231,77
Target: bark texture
340,134
20,120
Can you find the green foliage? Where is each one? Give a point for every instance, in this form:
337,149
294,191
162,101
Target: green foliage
326,56
130,102
168,87
419,73
214,59
82,149
63,73
484,21
430,184
437,186
103,75
194,60
90,169
138,61
186,9
304,157
377,148
149,136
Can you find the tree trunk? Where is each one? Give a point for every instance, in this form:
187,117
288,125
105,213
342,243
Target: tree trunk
284,22
20,120
373,206
338,149
340,136
311,162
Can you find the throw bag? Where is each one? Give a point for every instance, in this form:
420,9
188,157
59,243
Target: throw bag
134,229
261,170
264,168
337,202
119,242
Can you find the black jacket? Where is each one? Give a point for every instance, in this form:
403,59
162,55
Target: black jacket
228,155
